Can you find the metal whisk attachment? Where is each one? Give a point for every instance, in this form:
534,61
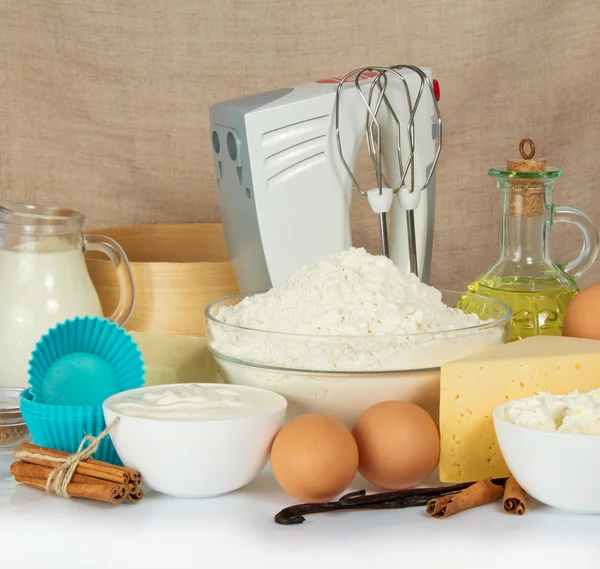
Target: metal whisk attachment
381,116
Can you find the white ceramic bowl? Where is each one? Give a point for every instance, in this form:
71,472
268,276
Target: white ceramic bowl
557,469
197,458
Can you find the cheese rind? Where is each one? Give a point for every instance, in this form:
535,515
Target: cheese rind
470,389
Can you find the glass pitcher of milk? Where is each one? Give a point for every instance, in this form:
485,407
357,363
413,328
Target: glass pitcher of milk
44,280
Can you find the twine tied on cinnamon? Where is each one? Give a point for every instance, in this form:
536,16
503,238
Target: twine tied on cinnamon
60,478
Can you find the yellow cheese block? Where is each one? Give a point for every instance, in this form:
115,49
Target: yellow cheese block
175,359
471,387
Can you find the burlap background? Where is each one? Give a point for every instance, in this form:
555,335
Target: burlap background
104,105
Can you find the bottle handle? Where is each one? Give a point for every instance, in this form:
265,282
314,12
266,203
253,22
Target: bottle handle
591,239
119,260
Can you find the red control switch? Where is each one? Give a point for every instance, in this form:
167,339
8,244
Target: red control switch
436,89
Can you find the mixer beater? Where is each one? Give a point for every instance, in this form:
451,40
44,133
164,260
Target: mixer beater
391,140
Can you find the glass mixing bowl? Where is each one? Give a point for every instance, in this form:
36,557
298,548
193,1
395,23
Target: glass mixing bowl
344,375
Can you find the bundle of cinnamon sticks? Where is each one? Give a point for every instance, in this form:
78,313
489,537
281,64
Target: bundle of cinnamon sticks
93,479
479,494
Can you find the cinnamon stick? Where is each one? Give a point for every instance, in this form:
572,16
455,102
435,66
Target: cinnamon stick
435,506
513,501
135,493
479,494
101,492
43,472
82,467
89,467
135,476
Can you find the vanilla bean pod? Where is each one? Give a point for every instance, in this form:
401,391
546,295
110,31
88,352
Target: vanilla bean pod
295,514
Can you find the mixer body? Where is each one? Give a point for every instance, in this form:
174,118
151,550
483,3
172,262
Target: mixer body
284,193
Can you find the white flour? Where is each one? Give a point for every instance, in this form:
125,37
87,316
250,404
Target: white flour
365,304
351,293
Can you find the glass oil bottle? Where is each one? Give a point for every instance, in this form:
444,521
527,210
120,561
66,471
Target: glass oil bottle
523,276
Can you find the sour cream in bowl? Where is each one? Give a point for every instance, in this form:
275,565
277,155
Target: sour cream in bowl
195,440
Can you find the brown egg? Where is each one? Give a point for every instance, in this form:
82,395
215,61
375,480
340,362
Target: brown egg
582,317
314,458
398,444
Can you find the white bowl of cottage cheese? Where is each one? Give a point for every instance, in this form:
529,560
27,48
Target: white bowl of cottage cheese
551,445
348,331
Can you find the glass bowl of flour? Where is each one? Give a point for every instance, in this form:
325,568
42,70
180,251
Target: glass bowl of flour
348,331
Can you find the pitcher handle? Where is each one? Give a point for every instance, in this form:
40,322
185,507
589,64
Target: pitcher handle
591,239
120,262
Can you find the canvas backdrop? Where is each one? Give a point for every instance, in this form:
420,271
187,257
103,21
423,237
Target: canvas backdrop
104,105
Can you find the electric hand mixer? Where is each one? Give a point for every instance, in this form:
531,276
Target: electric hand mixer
284,162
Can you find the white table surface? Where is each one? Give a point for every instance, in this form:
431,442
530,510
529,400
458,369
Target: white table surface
237,530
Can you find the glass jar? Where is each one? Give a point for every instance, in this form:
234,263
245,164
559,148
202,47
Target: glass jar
523,276
44,280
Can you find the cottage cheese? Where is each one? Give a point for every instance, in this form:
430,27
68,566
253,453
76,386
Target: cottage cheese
576,413
350,311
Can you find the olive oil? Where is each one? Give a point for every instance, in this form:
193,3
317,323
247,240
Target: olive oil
523,275
538,305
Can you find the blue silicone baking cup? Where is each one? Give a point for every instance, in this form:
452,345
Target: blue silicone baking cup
66,426
82,362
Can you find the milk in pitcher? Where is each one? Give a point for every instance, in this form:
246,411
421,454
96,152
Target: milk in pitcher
39,289
44,280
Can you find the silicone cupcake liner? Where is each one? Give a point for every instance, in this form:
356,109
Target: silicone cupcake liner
66,431
37,409
83,361
41,414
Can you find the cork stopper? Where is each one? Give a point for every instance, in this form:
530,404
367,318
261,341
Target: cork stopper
526,197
